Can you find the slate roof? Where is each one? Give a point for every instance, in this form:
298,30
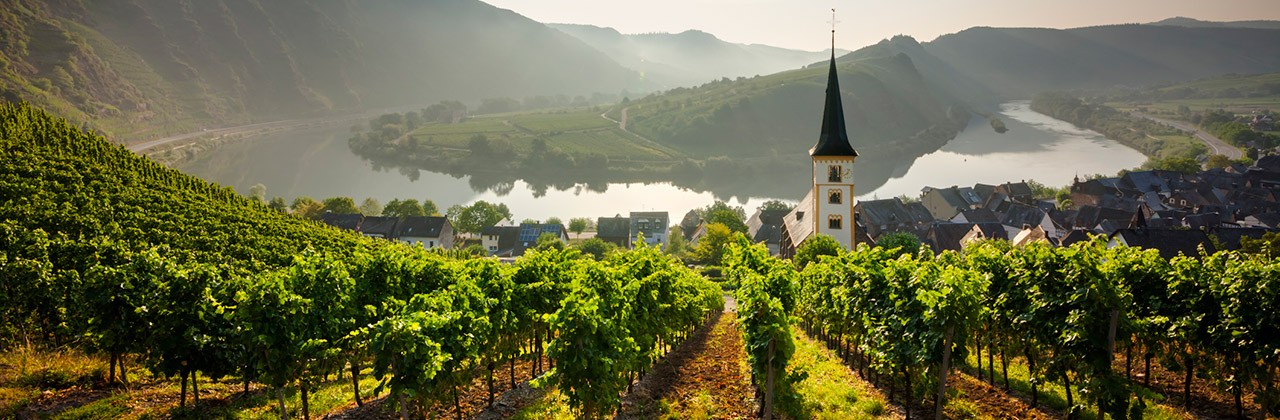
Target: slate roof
1145,181
1017,215
614,229
834,139
883,212
980,216
1076,235
798,224
421,226
379,226
766,226
343,221
920,212
507,236
1230,237
1170,242
942,236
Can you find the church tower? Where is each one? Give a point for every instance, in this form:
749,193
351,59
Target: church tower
833,159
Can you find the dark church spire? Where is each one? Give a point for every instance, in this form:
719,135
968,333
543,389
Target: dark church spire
834,140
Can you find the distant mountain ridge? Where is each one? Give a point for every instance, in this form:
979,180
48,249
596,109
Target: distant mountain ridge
691,57
175,65
1017,63
1195,23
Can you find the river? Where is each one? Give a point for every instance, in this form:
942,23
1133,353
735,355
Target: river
316,162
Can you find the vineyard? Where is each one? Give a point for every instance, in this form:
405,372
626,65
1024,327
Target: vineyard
107,252
905,322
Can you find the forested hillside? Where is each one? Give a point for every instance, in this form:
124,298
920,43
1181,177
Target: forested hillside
139,68
890,108
691,57
1017,63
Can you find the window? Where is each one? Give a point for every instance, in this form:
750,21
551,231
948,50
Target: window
833,196
833,221
493,248
833,173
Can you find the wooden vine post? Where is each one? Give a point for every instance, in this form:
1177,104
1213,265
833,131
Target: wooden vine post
946,370
768,383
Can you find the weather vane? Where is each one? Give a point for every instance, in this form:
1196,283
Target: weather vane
833,30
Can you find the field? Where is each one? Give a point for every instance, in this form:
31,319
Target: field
575,132
1170,107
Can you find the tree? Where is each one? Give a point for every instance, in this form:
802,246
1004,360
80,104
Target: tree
578,224
278,204
676,244
479,145
710,249
905,243
397,208
1176,164
307,207
340,205
547,241
429,208
1217,162
474,218
371,207
597,248
816,246
729,218
775,205
554,221
258,192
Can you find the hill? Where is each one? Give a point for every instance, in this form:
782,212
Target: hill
94,197
1195,23
888,105
1017,63
139,68
689,58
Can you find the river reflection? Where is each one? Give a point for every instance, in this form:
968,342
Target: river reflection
318,163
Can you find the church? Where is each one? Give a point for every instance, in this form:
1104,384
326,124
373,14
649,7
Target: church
827,208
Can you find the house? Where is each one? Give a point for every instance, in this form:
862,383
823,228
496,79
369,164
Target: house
615,230
513,241
1076,235
1029,235
1230,238
1170,242
343,221
945,203
1017,191
652,226
797,227
944,236
425,231
500,240
1018,217
766,227
890,215
379,226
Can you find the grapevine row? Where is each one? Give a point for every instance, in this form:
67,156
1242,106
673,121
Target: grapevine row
1067,312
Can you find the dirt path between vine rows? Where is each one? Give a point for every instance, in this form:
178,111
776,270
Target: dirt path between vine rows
706,375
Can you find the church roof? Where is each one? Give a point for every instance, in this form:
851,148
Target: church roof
834,140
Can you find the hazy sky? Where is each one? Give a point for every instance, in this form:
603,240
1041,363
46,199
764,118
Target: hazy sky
804,24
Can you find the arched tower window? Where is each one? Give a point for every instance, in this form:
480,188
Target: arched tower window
834,174
834,196
835,221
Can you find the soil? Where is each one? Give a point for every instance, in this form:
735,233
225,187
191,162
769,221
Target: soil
1207,401
473,399
708,362
992,401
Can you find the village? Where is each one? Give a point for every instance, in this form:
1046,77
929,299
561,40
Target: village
1165,210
